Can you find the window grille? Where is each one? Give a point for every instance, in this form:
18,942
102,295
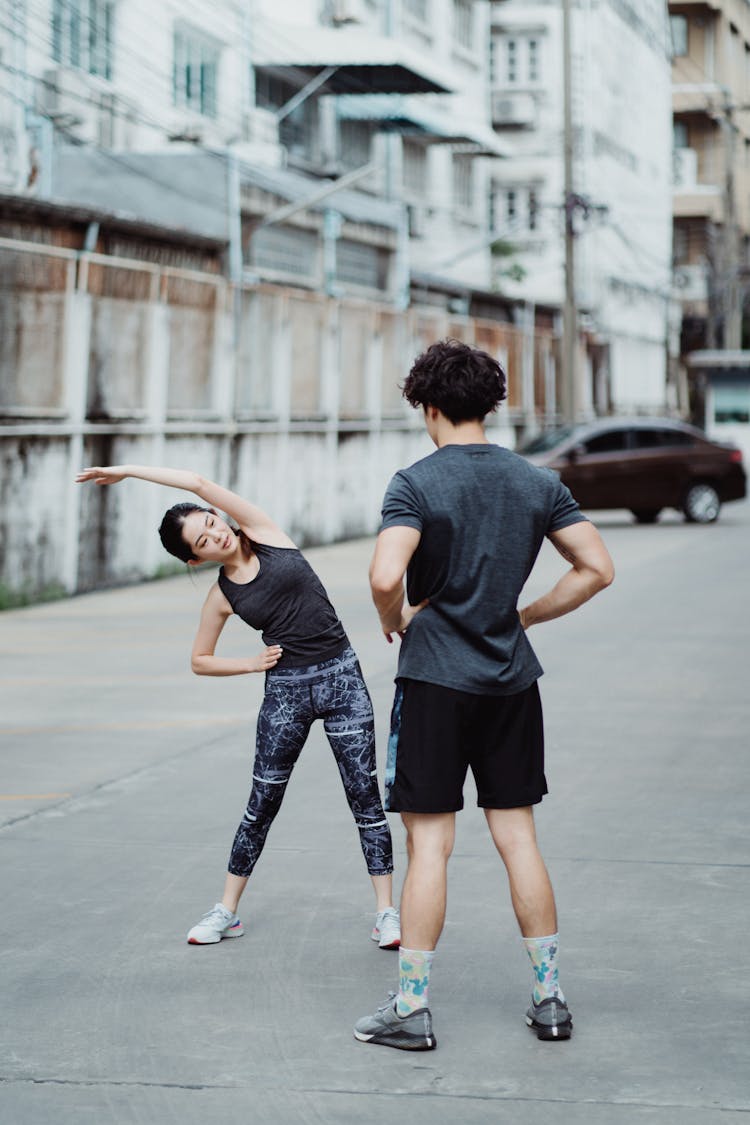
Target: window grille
360,264
196,69
419,9
463,182
415,169
82,35
463,22
286,250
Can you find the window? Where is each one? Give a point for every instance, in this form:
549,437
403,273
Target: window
417,8
660,439
731,402
612,441
680,244
82,34
463,22
298,130
463,182
415,170
533,209
679,28
679,134
533,60
355,142
492,68
360,264
519,209
492,209
285,249
523,59
511,60
196,69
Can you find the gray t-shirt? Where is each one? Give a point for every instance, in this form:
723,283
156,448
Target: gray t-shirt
483,513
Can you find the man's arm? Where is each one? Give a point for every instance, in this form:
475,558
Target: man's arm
393,551
591,571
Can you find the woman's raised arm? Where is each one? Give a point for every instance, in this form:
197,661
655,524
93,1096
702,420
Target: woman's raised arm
257,523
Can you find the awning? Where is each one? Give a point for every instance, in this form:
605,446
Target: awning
365,63
411,117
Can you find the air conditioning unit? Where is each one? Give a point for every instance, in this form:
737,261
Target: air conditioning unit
188,129
417,216
79,107
117,122
71,103
348,11
260,127
513,111
691,282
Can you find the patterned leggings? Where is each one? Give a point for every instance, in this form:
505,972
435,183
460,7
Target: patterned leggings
335,692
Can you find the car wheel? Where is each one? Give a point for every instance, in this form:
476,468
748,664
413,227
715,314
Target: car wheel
646,515
701,504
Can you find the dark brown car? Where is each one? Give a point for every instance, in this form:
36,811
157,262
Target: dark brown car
643,464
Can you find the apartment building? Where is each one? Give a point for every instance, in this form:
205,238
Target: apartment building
620,194
217,115
222,237
711,106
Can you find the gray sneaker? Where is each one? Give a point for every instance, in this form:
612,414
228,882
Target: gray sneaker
412,1033
550,1019
387,929
217,924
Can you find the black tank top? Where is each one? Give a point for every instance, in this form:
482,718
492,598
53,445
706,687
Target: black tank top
287,603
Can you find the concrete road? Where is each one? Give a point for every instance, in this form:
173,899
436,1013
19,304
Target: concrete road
123,777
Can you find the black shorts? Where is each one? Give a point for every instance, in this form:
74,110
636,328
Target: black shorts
437,733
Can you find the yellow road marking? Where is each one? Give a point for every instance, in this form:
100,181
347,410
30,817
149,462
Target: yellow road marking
158,724
32,796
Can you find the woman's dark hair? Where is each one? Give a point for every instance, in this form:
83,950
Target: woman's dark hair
170,532
464,383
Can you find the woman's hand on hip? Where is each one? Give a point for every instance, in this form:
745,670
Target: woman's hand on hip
270,656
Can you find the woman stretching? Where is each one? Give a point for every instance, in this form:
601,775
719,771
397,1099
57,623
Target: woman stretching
311,673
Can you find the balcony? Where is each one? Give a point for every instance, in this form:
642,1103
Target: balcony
697,98
691,199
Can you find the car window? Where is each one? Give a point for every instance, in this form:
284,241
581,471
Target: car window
655,438
542,443
611,441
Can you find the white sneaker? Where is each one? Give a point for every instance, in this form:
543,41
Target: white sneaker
217,924
387,929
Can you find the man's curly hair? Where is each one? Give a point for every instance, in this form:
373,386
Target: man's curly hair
464,383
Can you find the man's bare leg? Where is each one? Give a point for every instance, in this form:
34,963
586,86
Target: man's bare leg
429,843
531,892
534,905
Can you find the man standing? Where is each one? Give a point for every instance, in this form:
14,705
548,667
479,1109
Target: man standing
465,526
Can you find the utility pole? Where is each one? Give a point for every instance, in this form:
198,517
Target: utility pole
730,297
570,398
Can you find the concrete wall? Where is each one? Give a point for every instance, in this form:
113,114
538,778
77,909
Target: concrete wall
286,396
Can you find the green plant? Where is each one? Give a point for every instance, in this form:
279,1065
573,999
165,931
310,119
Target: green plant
25,595
502,249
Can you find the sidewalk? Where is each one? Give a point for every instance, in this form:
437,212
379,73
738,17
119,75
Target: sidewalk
123,777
